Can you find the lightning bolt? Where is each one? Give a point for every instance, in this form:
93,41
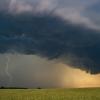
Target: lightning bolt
7,71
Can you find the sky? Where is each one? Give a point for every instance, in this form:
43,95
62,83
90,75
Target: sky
50,43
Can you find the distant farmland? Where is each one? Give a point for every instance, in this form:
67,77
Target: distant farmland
50,94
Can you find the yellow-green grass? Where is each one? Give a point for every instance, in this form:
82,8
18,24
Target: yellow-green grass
50,94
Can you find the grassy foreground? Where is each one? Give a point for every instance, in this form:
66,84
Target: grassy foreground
50,94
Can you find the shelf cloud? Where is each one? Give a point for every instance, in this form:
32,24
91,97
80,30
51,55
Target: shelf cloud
50,36
51,29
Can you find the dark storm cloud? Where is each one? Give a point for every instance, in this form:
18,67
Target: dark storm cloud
50,36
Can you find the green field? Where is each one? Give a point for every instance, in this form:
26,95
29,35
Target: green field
50,94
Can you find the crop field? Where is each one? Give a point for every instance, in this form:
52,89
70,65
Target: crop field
50,94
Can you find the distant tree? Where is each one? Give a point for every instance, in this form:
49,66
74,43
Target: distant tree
39,88
2,87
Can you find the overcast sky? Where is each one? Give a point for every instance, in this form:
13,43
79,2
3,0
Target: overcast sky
42,59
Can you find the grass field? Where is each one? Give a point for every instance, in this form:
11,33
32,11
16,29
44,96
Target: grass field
50,94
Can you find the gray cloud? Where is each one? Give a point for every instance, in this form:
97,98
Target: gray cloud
67,9
49,36
93,12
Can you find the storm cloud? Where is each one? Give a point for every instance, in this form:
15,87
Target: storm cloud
48,35
68,9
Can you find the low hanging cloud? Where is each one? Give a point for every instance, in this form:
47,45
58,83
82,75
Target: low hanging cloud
51,29
50,36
